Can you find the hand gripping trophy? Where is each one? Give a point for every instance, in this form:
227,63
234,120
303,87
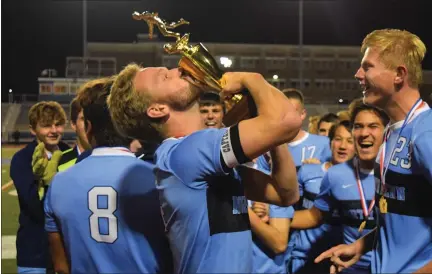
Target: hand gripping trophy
199,63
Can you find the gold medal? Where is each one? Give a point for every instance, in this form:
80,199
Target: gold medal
362,226
383,205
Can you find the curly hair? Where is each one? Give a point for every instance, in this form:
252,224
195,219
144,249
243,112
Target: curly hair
46,113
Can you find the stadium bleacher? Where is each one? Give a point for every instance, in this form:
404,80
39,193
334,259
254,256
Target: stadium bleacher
4,110
22,121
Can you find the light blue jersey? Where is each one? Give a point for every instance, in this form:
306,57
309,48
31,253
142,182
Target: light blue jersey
107,209
203,203
309,243
405,232
310,146
339,191
264,259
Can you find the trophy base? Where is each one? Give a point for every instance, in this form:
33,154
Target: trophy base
239,111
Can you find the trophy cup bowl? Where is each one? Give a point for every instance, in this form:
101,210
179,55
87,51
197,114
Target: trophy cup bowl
204,69
201,66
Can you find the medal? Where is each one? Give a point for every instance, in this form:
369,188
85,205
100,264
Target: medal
366,210
383,205
362,226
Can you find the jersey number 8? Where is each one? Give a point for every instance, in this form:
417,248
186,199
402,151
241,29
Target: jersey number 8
106,212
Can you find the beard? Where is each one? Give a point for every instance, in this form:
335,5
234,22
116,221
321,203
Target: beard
185,99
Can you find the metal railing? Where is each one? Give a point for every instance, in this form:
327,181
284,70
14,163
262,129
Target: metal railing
23,98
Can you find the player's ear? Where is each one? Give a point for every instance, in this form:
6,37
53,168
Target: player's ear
73,126
88,128
157,110
401,74
32,130
303,114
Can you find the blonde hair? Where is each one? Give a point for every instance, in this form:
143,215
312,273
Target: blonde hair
46,113
128,107
396,47
313,124
344,115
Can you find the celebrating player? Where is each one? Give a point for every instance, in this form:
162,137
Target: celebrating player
348,188
203,201
390,74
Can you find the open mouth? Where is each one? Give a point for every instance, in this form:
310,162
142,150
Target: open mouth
342,154
365,145
365,88
210,124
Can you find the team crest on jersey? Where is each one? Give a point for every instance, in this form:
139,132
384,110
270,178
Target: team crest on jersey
240,205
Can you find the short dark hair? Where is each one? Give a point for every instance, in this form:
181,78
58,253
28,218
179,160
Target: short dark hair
361,107
293,93
345,123
93,99
211,98
75,109
329,118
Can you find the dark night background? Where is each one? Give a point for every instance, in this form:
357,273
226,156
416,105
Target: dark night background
39,34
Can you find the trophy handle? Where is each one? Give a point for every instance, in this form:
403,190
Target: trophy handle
242,110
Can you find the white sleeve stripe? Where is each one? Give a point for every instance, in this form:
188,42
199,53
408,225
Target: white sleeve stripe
227,150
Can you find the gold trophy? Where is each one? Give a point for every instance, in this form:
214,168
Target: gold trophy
200,64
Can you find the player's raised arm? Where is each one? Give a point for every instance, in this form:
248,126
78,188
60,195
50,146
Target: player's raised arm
278,188
277,121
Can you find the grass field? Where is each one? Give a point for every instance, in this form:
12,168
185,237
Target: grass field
9,212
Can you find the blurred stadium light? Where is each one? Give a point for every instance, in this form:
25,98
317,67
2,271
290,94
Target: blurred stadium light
226,62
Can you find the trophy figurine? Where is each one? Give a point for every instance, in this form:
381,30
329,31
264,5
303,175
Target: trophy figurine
199,64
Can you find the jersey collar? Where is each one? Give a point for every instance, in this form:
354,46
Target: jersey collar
298,142
112,151
399,124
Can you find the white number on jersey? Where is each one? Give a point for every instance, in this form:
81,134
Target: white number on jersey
107,213
405,163
308,152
